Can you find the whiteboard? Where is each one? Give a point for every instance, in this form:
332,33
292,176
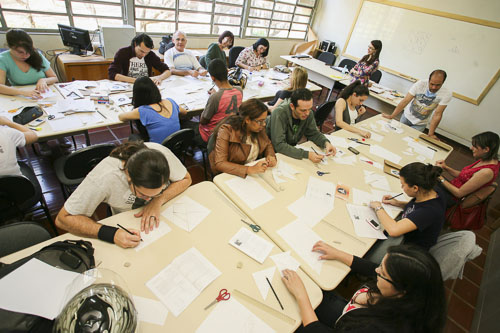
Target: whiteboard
416,43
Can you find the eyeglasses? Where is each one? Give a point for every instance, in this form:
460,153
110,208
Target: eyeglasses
138,193
383,277
260,122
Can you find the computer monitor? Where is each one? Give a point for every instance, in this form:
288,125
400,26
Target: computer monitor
77,39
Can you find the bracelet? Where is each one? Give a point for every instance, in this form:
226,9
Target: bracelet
378,208
441,180
107,233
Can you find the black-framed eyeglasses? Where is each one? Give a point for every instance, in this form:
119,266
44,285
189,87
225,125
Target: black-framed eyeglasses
384,278
143,196
260,122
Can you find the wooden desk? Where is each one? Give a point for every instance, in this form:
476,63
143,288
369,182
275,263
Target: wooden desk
73,67
211,238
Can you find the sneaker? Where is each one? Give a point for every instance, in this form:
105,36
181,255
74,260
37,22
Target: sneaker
45,149
64,143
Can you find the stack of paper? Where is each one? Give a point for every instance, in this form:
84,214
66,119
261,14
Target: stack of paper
385,154
186,213
252,245
178,284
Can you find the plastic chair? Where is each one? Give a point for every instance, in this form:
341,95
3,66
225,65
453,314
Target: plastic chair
327,57
234,52
20,195
322,113
72,169
179,142
20,235
376,76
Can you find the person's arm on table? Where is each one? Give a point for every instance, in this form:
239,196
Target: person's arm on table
29,135
404,102
156,63
42,84
6,90
436,119
270,155
131,115
313,134
393,228
296,287
124,78
159,78
340,106
477,180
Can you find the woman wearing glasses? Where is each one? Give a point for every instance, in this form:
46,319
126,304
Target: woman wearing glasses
135,174
407,295
241,139
368,64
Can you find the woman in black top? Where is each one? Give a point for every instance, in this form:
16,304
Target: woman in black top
298,80
407,295
349,107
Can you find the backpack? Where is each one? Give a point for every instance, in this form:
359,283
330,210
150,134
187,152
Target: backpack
236,77
71,255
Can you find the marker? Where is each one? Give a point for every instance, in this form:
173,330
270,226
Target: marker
130,232
270,285
397,195
432,148
102,114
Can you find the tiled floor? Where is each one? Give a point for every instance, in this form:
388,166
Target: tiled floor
461,294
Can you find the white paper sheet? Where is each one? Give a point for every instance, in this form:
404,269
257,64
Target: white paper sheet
178,284
422,149
150,310
261,282
249,191
337,141
309,211
376,137
393,211
283,169
252,245
301,239
120,99
359,216
420,158
372,163
363,198
232,316
321,191
284,260
36,288
65,123
186,213
384,153
378,181
348,160
153,236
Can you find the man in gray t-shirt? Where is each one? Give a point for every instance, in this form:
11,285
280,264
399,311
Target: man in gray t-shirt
148,177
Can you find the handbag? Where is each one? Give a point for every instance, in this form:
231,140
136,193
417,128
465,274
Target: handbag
471,218
28,114
236,77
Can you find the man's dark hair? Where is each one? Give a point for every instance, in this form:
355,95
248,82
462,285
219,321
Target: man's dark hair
439,72
142,38
303,94
217,68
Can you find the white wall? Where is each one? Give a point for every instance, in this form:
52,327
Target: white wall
461,120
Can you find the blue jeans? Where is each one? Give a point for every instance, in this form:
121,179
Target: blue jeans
405,121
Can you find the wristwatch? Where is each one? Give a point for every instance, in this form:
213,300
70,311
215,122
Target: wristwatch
441,180
378,208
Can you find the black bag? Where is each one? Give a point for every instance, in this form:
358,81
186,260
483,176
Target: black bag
236,77
165,44
71,255
28,114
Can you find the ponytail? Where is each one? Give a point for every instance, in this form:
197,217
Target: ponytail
423,175
355,87
124,151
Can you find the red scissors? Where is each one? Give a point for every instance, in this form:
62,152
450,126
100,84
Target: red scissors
223,296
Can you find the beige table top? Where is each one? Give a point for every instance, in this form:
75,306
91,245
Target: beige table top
211,238
337,228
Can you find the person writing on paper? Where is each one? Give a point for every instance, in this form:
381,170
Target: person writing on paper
292,120
405,294
136,174
297,81
181,61
477,175
424,98
423,216
241,139
368,65
132,62
253,58
349,107
216,50
159,117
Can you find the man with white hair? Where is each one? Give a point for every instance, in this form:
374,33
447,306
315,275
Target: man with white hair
181,61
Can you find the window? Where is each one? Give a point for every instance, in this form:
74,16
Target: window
279,18
257,18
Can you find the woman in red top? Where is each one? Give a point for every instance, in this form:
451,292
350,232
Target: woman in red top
480,173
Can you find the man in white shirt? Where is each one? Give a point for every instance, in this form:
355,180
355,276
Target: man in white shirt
12,135
427,97
181,61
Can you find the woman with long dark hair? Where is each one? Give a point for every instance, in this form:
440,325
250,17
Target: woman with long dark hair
368,64
349,107
253,58
159,117
423,216
407,295
241,139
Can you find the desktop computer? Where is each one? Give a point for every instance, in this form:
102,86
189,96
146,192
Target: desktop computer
114,38
76,38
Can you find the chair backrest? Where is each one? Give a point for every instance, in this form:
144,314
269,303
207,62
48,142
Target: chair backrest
179,141
322,113
479,195
15,190
376,76
234,52
18,236
203,62
348,63
79,163
327,57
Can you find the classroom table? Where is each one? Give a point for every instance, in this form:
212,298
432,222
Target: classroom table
336,228
211,238
326,76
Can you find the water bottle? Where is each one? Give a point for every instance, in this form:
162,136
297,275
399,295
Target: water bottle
344,70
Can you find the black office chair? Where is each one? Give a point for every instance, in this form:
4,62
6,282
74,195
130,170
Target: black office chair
72,169
348,63
328,58
234,52
179,142
376,76
20,195
203,62
322,113
20,235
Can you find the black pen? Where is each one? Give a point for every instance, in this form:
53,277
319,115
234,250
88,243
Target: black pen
130,232
102,114
397,195
270,285
432,148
